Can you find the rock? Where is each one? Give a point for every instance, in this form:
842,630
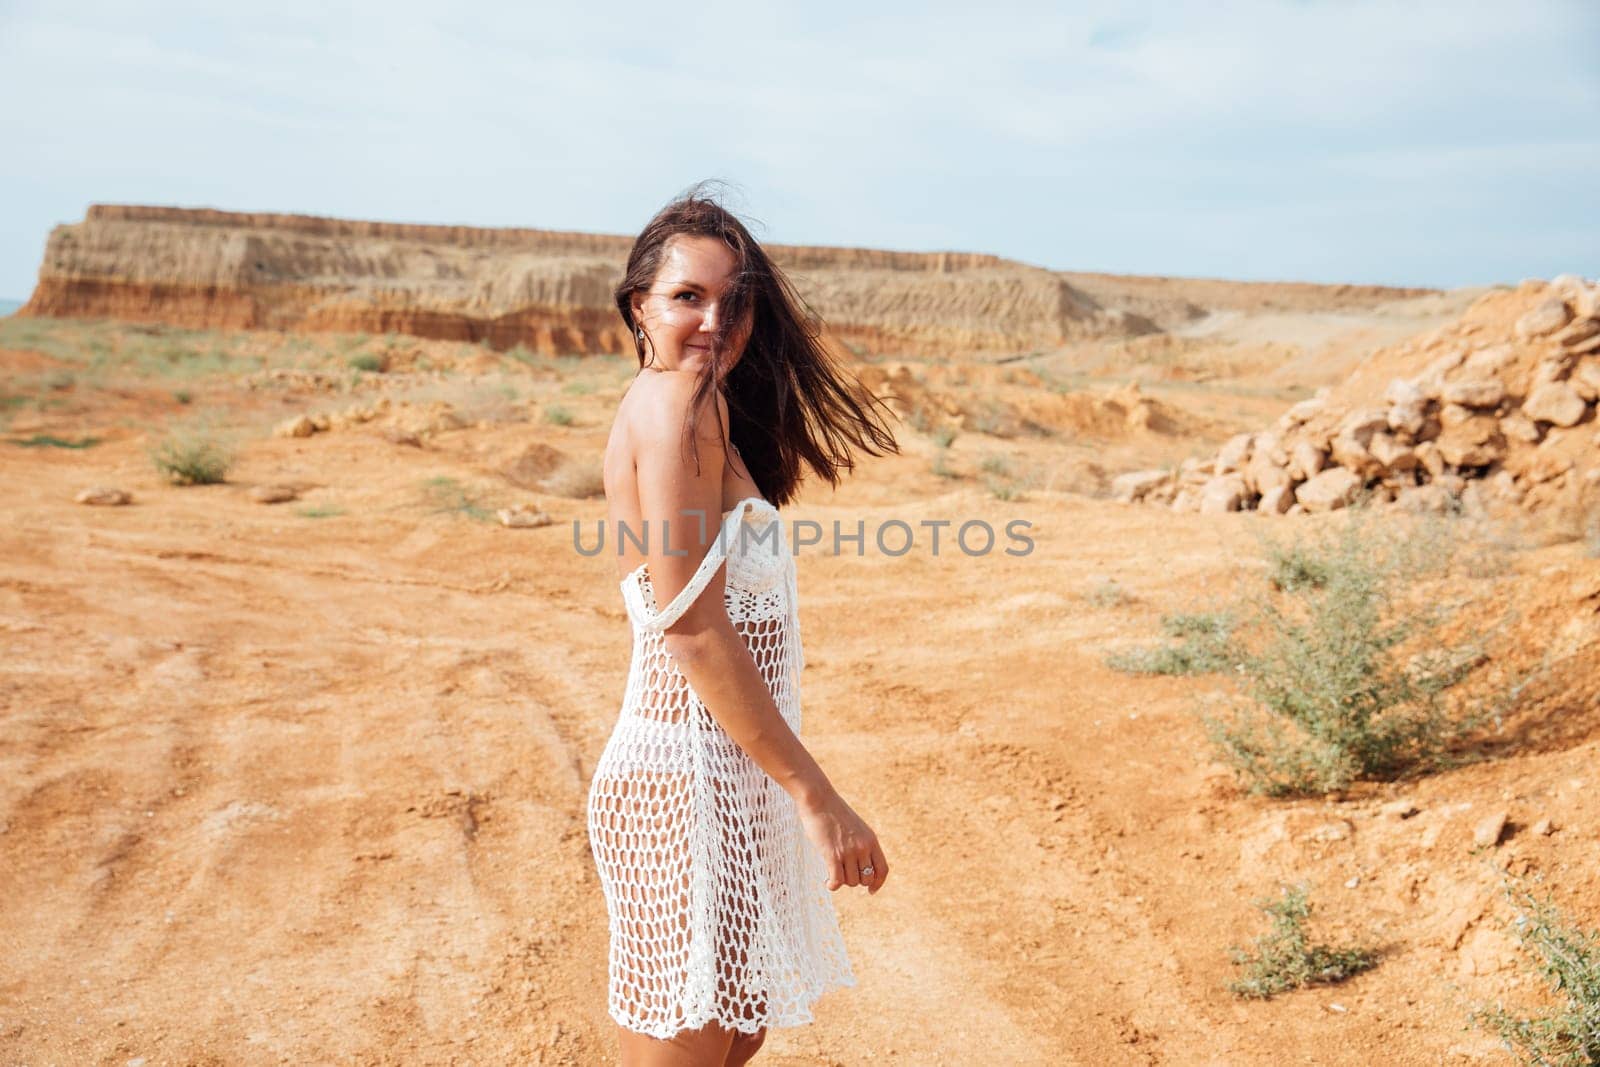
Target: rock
1555,402
1486,834
1362,423
1454,415
1477,442
1433,375
1504,485
1262,473
299,426
1544,827
1332,489
1548,317
1580,330
1391,454
1408,418
1429,499
1398,809
273,494
104,496
1481,393
1302,411
1427,454
1402,391
401,436
523,516
1305,459
1277,500
1490,361
1518,427
1223,493
1585,380
1586,348
1546,467
1231,456
1133,486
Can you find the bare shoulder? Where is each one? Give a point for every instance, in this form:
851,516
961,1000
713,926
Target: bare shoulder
659,402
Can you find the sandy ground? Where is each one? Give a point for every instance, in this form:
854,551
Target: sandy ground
278,788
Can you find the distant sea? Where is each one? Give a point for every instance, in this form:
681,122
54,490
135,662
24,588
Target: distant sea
8,306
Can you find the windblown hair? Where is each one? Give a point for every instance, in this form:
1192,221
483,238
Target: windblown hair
789,399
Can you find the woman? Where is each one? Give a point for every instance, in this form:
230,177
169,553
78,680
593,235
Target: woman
714,831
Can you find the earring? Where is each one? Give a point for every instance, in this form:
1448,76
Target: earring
641,333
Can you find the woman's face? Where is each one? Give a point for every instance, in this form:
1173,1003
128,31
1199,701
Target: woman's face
680,311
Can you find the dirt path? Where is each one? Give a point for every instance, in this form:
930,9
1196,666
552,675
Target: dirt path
279,789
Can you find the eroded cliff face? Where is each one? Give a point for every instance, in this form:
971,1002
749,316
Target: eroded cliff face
549,291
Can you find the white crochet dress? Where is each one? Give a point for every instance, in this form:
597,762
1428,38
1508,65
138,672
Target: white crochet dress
719,907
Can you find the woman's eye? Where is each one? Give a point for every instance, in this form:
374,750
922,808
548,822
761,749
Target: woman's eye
686,293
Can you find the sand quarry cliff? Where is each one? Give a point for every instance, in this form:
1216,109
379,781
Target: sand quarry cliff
294,764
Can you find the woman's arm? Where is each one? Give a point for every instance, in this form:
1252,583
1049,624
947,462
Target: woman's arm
703,642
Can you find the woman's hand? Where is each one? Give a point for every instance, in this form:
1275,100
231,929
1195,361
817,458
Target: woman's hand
847,844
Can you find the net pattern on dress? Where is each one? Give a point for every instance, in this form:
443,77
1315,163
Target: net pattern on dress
718,905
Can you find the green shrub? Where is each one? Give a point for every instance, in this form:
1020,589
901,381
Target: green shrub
193,458
1204,645
1569,959
367,361
45,440
1284,958
1350,676
183,396
557,415
1107,593
446,494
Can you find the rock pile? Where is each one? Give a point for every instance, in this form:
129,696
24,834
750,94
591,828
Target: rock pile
1500,405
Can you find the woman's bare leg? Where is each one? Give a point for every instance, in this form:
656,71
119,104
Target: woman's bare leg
706,1047
745,1047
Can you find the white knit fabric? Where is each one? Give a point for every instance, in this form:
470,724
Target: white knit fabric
719,906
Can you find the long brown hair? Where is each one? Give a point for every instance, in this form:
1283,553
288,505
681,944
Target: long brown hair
789,399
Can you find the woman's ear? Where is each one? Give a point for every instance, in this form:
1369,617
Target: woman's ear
637,303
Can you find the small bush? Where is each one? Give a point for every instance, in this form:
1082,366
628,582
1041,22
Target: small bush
944,436
1285,959
1204,645
45,440
445,494
996,464
1569,959
193,458
367,361
941,465
1351,676
1107,593
557,415
183,396
320,511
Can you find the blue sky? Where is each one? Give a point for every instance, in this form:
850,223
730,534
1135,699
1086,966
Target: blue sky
1420,143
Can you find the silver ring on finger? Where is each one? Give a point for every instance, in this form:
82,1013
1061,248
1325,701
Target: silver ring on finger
867,871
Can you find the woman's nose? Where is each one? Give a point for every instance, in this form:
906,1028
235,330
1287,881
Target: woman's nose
708,321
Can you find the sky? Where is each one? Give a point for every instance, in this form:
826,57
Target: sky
1419,143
